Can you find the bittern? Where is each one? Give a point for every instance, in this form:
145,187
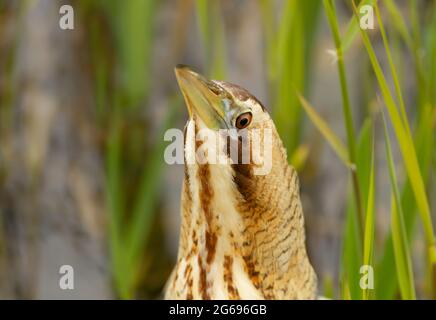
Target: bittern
242,235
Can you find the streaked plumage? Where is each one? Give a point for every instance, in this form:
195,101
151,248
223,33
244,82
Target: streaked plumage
242,235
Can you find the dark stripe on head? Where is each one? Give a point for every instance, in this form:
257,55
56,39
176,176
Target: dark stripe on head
239,92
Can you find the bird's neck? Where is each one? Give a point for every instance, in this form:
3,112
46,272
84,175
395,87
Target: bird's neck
245,232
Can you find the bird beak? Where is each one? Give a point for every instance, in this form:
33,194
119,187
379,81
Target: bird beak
201,97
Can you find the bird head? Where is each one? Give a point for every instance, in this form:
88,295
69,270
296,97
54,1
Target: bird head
221,106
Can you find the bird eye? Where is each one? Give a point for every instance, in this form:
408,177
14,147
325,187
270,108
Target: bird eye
243,120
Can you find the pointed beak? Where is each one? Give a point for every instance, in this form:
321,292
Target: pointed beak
201,97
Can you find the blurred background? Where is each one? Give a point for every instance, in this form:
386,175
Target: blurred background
83,181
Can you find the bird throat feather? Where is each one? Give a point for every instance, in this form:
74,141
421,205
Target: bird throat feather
242,235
